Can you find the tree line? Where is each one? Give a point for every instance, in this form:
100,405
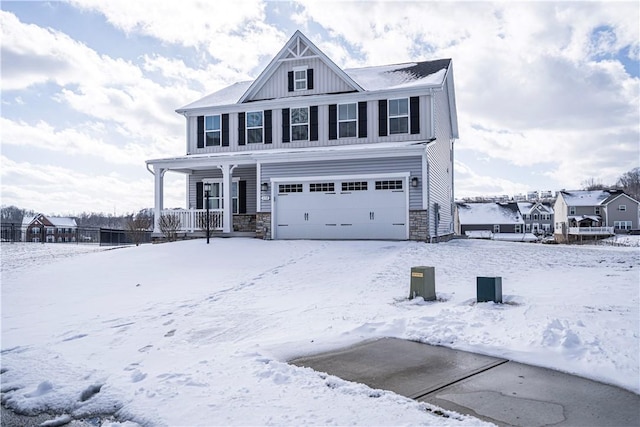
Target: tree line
15,215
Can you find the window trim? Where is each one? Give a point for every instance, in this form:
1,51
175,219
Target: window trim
398,116
572,210
235,182
297,80
622,208
213,130
307,124
350,120
247,128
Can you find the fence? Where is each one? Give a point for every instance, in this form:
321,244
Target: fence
81,235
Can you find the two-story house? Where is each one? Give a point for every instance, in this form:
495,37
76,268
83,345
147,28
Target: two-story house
51,229
312,151
593,214
488,219
538,217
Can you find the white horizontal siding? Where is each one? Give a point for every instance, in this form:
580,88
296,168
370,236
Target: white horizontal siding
412,165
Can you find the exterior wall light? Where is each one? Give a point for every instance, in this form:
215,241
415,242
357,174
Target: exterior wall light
264,186
414,181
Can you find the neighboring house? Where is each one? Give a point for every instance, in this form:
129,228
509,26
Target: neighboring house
484,219
538,217
312,151
50,229
593,214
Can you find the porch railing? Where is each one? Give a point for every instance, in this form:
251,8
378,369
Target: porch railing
196,219
591,231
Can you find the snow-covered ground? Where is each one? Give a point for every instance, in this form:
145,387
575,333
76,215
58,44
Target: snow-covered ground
192,334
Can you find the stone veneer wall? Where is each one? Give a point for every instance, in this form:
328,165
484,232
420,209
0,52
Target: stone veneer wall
263,225
244,223
418,226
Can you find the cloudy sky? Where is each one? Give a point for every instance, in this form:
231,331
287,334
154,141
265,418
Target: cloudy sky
547,92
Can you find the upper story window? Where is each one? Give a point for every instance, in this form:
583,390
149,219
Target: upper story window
622,208
255,127
212,130
300,124
572,210
347,120
597,210
300,78
398,116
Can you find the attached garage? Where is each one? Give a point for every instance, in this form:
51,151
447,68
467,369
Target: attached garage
344,208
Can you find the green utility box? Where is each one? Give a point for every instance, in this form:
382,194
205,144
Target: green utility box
489,289
423,283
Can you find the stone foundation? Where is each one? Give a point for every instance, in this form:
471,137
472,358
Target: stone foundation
244,223
263,225
418,225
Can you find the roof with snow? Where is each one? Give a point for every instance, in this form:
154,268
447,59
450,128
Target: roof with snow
590,198
532,207
385,77
57,221
489,213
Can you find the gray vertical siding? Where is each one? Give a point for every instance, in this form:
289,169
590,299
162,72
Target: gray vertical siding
413,165
439,154
245,173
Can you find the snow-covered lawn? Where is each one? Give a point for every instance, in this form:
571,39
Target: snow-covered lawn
192,334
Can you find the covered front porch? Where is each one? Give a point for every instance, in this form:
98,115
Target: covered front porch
588,225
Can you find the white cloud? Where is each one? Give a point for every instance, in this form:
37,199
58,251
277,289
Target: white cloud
471,184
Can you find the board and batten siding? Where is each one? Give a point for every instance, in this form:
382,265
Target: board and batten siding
439,155
325,80
243,173
412,165
323,126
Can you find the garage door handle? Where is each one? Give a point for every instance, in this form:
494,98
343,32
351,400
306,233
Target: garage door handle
306,217
372,215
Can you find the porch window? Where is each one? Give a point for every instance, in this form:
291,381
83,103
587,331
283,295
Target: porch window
347,120
398,116
300,124
212,130
216,196
255,127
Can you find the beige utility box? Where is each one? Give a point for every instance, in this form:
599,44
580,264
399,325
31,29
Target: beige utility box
423,283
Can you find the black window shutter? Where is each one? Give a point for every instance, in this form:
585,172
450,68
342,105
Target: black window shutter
225,130
382,117
414,114
199,195
333,121
285,125
313,123
268,139
362,119
310,78
240,128
290,77
242,197
200,131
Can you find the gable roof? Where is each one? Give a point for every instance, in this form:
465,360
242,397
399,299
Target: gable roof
530,207
591,198
489,213
56,221
298,46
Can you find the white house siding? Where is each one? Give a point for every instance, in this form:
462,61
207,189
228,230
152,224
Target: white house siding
325,80
323,126
441,169
382,166
245,173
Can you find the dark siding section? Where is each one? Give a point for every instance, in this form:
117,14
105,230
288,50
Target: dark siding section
310,78
313,123
290,80
268,128
200,131
242,196
225,130
240,128
382,117
362,119
333,121
285,125
199,195
414,114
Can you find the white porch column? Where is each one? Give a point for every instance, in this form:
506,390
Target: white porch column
159,196
227,211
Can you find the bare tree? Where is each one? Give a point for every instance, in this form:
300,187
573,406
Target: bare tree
137,227
169,226
630,183
593,184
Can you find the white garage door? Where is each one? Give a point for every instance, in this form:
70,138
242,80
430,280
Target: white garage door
341,209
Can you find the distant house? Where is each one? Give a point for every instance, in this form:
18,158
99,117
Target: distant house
485,219
41,228
538,217
593,214
309,150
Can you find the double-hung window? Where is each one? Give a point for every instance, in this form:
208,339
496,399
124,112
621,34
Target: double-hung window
300,124
398,116
212,134
300,78
347,120
216,196
622,208
255,127
572,210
